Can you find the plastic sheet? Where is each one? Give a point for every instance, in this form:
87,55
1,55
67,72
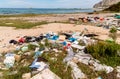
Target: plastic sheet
9,60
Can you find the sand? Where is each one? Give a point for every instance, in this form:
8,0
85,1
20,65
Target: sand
8,33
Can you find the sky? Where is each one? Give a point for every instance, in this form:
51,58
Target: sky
47,3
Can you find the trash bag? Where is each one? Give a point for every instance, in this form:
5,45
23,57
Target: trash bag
13,42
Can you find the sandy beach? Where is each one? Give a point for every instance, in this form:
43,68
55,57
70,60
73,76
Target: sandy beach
8,33
60,39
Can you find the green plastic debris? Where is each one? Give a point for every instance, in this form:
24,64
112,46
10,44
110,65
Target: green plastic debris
24,49
117,16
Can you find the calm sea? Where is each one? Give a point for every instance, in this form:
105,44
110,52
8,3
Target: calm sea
40,11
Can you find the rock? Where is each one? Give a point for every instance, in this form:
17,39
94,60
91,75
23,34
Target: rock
1,55
118,71
4,68
28,53
17,58
12,73
17,47
20,52
55,50
62,37
27,76
46,74
105,4
76,72
1,74
99,78
53,59
75,59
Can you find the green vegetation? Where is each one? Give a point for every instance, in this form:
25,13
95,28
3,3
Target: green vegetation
57,66
18,75
23,24
91,74
24,15
113,33
114,8
55,62
106,52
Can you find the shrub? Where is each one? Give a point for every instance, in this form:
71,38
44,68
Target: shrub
114,8
105,52
113,33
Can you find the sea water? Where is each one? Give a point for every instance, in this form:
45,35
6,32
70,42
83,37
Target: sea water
41,10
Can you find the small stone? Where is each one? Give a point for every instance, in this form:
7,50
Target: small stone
75,59
12,73
1,74
26,76
28,53
17,58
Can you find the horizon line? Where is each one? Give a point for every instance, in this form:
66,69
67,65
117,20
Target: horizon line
48,8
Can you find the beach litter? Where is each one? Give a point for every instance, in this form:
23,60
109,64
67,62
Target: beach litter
9,60
29,53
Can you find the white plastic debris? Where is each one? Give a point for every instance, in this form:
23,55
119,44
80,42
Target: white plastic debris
83,58
39,65
78,46
9,60
55,50
37,49
100,67
88,60
75,42
69,56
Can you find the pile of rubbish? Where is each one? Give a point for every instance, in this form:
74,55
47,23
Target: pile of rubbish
30,50
105,22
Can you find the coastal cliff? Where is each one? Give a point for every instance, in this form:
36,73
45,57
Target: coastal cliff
105,4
